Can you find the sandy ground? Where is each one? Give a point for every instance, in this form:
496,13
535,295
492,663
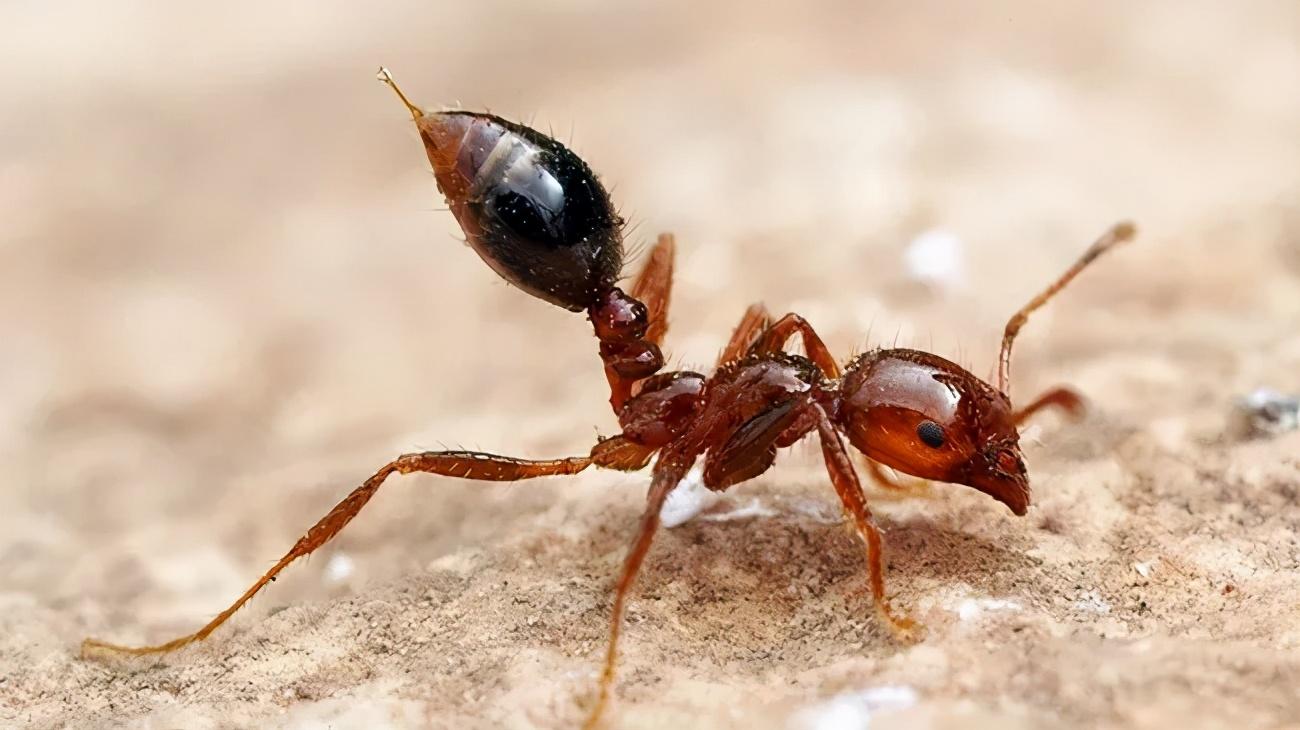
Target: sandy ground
227,294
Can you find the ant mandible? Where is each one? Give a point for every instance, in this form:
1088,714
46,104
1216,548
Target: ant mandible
539,217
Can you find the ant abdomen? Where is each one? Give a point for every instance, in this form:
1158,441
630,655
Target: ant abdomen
531,208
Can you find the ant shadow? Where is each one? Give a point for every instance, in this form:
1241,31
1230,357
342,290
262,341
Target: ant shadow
802,576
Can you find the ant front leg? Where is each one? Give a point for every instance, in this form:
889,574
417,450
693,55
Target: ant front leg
1062,397
774,339
613,453
849,488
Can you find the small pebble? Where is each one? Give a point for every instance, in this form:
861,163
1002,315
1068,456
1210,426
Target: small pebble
1265,412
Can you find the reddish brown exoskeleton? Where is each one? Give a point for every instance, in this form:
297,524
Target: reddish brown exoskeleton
538,216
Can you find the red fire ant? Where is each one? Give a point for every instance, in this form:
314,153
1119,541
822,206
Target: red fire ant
538,216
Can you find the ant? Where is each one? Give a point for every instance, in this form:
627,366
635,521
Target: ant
537,215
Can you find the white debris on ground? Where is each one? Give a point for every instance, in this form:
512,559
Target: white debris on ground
1092,602
1144,569
824,513
936,257
972,608
688,500
1266,412
754,508
853,710
691,499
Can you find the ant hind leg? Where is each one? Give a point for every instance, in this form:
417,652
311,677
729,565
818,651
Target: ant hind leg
654,287
613,453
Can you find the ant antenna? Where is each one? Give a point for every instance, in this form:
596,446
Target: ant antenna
387,78
1118,233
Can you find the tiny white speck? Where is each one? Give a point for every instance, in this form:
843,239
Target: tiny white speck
935,257
338,568
1143,569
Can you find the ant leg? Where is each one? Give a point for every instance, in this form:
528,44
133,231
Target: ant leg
1062,397
902,489
775,337
668,472
849,488
751,327
460,464
654,287
620,454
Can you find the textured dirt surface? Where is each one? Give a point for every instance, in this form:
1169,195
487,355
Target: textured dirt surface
227,294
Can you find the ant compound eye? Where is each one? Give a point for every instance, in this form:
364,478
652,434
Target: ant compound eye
931,434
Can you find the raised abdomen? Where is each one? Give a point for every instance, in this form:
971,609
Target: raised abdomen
531,208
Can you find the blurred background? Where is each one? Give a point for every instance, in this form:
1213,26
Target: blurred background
229,291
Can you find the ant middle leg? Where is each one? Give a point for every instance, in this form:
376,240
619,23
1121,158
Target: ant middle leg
751,327
1063,397
613,453
849,488
774,339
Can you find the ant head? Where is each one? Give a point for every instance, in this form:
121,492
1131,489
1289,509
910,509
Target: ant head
530,207
928,417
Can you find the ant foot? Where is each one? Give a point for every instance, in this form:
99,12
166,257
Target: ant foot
905,629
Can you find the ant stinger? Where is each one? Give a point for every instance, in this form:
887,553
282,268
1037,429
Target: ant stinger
538,216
